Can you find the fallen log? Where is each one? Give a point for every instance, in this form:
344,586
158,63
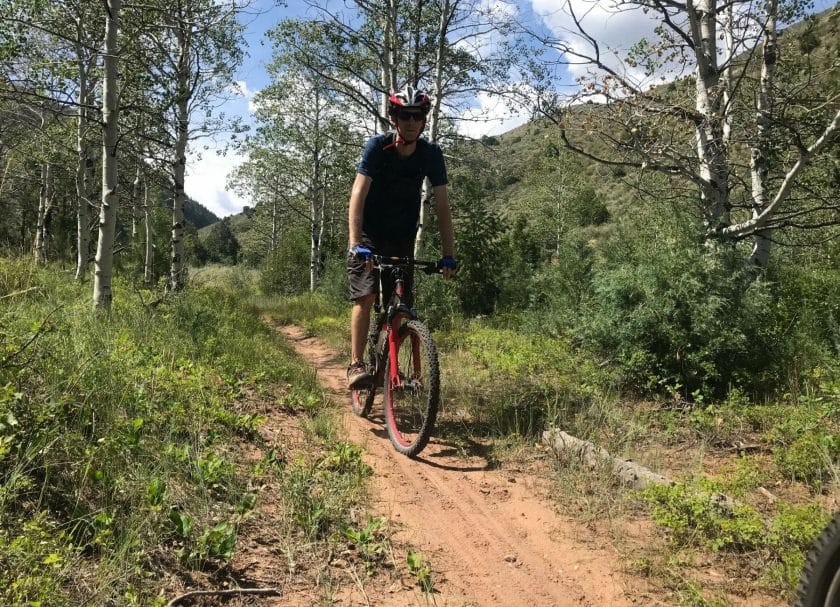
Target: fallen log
627,471
223,593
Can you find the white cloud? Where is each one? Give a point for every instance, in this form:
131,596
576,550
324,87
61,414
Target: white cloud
615,28
206,182
491,117
241,89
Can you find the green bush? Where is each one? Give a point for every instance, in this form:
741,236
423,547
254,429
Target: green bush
690,319
693,517
812,457
688,509
221,245
513,382
480,254
559,291
334,283
437,301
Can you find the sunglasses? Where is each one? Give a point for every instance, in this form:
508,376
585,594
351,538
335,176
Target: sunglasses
406,116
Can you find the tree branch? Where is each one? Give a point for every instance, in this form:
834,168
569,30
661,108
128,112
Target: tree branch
233,592
760,220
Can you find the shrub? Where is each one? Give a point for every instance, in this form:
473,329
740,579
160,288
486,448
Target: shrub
334,280
811,457
690,319
558,292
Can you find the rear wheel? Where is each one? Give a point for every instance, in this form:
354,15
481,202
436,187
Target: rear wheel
411,398
819,585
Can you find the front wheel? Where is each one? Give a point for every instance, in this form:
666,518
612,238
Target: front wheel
819,585
361,400
412,395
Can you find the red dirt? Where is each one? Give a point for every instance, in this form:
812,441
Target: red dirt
487,534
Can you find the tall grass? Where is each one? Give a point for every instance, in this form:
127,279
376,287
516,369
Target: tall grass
118,433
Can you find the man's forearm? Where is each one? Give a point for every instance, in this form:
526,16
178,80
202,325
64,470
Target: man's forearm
361,186
354,227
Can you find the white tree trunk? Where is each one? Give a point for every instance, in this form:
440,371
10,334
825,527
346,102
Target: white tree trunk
322,223
149,257
104,260
318,214
178,271
726,76
756,222
759,168
627,471
593,456
447,11
135,198
314,203
388,74
711,150
84,166
273,242
44,204
315,244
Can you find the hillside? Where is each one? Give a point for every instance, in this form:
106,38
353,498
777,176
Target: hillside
199,215
811,46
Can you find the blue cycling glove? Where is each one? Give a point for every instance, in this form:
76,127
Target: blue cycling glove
361,252
448,262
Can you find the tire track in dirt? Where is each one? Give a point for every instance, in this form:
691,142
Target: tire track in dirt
487,535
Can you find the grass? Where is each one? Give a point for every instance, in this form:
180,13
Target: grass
316,314
119,434
121,440
502,387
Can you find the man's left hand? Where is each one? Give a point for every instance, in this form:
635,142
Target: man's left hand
448,265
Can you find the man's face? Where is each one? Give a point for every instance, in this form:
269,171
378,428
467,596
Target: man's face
410,123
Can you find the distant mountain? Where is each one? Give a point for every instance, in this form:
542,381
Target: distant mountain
195,213
199,215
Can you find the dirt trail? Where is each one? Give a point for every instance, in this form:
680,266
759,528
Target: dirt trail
489,537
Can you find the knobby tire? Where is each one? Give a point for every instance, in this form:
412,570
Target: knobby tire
819,584
361,400
410,412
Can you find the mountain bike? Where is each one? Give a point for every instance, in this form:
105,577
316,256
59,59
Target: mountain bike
819,585
402,359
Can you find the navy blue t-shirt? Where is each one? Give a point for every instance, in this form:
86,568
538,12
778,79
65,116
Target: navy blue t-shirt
392,207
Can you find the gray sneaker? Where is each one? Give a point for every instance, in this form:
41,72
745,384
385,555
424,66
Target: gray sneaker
357,375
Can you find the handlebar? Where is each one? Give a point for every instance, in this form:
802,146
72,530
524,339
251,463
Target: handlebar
385,262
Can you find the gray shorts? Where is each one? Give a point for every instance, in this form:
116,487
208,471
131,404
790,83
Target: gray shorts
363,283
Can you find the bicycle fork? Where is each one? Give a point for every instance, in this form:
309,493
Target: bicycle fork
397,380
405,378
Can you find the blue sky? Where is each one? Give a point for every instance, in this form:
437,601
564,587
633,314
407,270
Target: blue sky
207,176
206,179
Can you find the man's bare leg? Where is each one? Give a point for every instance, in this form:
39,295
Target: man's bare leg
359,326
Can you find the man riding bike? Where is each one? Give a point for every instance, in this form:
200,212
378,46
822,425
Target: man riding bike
385,209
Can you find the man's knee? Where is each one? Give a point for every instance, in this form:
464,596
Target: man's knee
365,301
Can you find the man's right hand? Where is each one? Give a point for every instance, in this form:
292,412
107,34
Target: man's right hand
361,252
